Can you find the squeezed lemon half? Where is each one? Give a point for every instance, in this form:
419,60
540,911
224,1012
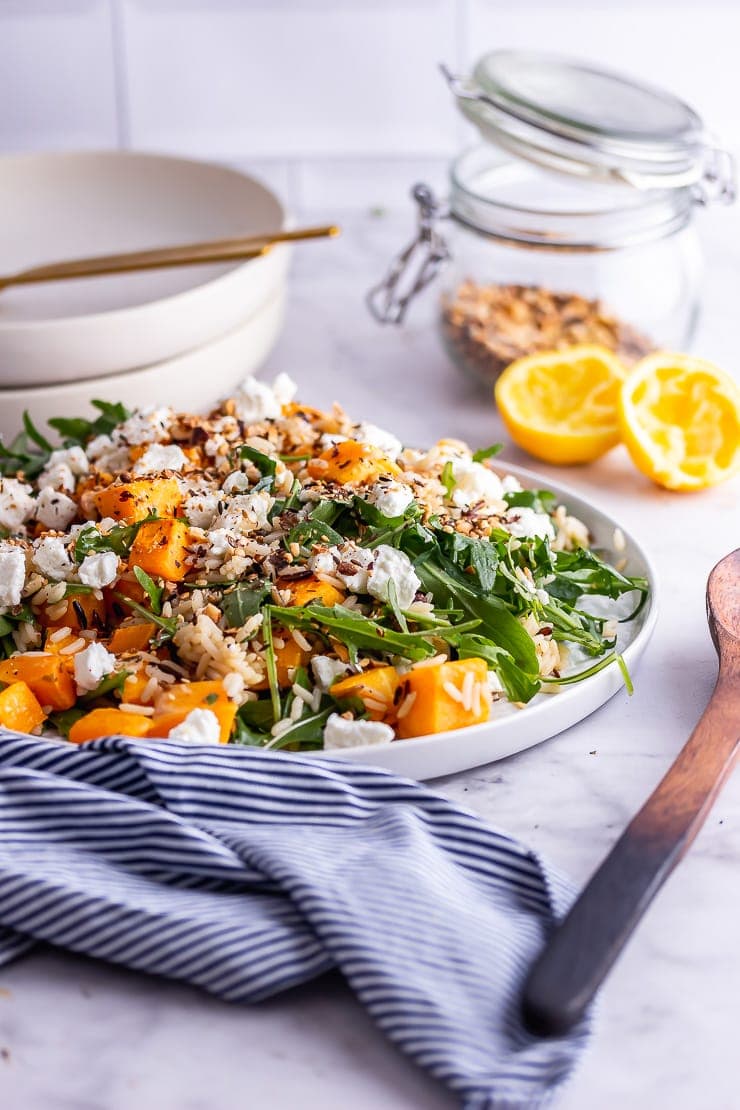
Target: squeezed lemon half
561,406
680,420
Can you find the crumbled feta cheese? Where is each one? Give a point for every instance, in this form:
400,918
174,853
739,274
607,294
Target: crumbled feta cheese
97,446
237,482
378,437
525,523
73,457
510,484
331,439
495,685
390,498
246,512
353,566
342,733
91,665
323,562
201,509
473,482
54,509
201,726
219,542
99,569
257,401
148,425
16,504
392,565
56,476
50,558
12,576
158,458
326,670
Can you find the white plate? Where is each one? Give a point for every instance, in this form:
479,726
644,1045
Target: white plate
512,730
194,381
60,206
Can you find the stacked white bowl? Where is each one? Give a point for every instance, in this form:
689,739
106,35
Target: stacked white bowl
183,337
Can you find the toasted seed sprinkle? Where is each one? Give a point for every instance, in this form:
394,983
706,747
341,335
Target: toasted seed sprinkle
300,639
75,646
60,634
405,706
132,707
467,691
452,691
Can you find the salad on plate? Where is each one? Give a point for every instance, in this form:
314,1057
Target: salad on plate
279,576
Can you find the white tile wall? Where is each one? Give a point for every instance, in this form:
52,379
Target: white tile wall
334,102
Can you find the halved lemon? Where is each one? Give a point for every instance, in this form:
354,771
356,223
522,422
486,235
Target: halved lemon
680,420
561,406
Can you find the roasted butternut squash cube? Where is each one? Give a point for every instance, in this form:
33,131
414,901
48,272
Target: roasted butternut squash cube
19,708
443,697
131,637
176,702
160,548
313,589
287,659
376,688
350,461
137,500
80,612
46,676
108,722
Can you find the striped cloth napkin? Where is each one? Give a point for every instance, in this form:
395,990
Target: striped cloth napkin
246,872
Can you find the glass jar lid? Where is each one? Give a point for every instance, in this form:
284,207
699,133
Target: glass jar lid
574,118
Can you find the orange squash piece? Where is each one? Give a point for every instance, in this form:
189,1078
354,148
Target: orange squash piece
434,708
287,659
177,701
131,637
160,548
134,685
313,589
45,674
324,421
82,611
108,722
19,708
136,500
351,461
377,687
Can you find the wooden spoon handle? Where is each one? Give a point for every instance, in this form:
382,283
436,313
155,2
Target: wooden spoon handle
582,949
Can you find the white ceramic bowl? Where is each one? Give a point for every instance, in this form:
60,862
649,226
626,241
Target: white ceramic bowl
192,382
60,206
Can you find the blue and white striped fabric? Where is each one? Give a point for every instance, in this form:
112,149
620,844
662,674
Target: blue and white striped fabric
246,872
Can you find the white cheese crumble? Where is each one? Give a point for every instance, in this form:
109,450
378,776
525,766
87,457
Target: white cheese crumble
99,569
201,726
12,576
158,458
73,457
50,558
380,438
237,482
16,504
323,562
148,425
54,509
256,401
246,511
219,542
392,565
525,523
390,498
91,665
510,484
326,670
201,509
58,476
342,733
353,567
473,482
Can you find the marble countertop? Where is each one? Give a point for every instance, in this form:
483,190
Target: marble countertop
76,1035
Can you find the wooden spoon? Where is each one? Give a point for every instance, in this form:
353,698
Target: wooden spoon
582,949
158,258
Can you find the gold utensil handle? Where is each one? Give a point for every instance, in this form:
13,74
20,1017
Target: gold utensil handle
189,254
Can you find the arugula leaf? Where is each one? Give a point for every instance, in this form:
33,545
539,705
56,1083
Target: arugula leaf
518,685
487,452
63,720
34,434
466,552
153,592
305,735
119,539
271,662
243,602
167,624
310,532
447,478
356,631
21,455
541,500
78,430
106,685
395,608
264,463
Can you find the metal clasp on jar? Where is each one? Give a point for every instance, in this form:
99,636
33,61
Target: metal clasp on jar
416,266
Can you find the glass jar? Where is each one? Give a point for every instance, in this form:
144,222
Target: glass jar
570,224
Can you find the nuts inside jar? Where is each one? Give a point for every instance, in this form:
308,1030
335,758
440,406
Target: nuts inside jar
487,327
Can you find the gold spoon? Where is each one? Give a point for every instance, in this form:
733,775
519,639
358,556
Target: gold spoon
190,254
582,949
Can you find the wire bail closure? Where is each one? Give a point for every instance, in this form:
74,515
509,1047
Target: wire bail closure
416,266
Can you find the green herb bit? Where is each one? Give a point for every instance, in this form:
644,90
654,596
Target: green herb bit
271,663
151,589
487,452
447,478
167,624
77,430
